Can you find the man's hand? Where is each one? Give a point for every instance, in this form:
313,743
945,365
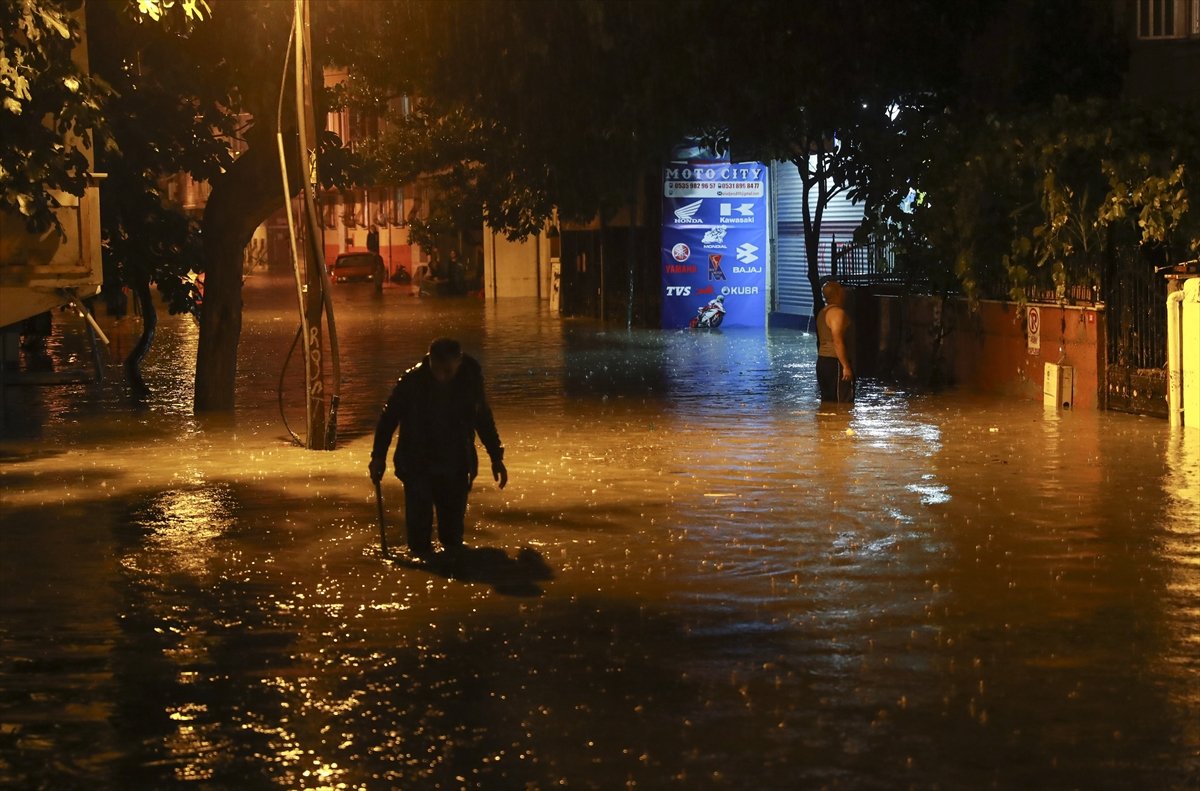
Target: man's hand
377,467
499,473
847,374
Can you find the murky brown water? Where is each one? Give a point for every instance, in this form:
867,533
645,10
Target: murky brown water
696,579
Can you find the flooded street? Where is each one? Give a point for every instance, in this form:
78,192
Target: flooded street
697,577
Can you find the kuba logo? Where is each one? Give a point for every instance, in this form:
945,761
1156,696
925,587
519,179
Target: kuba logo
688,213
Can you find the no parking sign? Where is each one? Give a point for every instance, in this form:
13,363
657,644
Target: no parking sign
1033,326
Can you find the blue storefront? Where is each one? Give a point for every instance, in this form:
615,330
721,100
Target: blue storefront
714,242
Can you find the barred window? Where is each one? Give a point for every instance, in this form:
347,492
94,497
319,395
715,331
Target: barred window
1168,18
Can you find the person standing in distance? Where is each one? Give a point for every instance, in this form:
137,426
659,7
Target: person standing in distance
835,374
439,406
378,272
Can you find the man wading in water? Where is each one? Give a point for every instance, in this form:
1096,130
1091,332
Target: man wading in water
835,376
439,405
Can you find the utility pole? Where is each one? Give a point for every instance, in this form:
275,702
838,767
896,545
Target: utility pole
322,429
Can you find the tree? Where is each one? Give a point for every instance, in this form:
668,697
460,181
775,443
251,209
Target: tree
150,134
42,79
982,151
200,98
575,105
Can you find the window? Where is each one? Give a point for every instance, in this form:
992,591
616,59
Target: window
1167,18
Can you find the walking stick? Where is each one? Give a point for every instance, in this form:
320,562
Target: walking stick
382,530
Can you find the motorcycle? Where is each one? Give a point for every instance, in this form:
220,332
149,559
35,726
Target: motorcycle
709,316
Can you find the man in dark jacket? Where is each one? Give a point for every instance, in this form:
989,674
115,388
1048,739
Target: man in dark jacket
439,406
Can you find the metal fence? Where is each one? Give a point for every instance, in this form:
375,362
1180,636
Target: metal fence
863,263
1136,323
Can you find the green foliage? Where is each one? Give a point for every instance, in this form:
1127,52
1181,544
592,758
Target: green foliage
1058,200
160,10
194,86
49,109
521,107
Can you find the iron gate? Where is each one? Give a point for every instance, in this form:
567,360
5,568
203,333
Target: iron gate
1136,328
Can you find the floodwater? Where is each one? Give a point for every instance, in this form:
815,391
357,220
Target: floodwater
696,578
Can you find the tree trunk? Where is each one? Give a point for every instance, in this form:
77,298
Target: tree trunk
241,199
812,231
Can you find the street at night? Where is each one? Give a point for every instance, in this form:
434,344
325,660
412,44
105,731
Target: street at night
498,395
699,576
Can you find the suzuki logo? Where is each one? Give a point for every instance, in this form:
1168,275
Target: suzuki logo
687,213
714,236
743,210
746,253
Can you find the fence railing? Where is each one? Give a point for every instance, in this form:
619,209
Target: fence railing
872,261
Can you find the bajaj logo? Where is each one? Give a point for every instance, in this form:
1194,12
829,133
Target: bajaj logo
714,267
746,253
688,213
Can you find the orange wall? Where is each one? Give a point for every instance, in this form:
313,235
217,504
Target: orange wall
985,349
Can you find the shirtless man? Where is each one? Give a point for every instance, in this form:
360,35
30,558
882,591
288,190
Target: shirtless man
835,374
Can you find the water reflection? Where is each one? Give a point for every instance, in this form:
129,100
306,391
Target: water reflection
698,577
182,529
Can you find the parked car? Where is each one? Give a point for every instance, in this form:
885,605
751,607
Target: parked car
364,267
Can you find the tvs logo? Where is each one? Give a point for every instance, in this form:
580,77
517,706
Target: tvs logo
714,267
681,252
687,214
714,235
746,253
679,291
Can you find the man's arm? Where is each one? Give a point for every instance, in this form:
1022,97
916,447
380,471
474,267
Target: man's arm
485,427
838,322
385,428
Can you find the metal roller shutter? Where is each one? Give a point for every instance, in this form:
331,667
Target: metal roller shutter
793,295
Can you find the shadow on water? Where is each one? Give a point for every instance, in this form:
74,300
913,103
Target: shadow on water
508,576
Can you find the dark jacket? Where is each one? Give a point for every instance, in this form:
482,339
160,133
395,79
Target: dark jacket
410,406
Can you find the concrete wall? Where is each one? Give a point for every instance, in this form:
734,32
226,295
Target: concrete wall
929,341
516,269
